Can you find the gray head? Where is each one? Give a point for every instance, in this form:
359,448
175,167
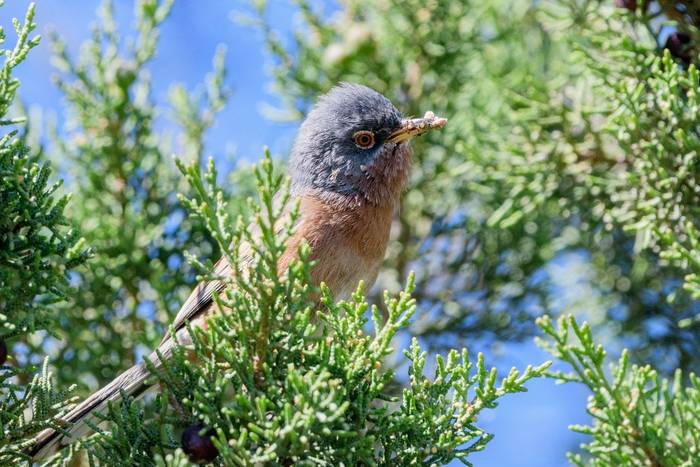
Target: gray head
354,143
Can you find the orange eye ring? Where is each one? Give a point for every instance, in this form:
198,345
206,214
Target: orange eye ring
364,139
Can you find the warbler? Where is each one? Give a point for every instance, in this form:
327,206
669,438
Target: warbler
349,164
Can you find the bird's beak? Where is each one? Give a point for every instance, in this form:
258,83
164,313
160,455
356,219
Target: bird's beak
411,127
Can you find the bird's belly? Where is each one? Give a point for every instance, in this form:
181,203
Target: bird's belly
342,268
347,242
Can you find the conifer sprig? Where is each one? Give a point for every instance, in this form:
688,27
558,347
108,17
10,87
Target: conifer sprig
639,418
284,375
120,167
38,250
37,245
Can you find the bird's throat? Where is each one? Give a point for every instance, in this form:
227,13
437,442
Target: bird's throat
386,176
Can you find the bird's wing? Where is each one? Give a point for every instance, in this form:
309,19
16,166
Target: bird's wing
201,297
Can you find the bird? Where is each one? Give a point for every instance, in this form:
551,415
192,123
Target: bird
349,164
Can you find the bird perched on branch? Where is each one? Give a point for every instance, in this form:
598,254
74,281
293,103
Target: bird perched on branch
349,164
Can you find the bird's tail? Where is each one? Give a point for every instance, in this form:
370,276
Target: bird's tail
132,382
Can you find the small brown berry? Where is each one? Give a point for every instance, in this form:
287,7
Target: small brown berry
630,5
3,352
677,44
199,448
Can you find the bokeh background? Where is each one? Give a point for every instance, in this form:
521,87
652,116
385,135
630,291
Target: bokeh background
531,429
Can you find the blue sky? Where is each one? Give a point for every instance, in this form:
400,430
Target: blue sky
189,39
531,429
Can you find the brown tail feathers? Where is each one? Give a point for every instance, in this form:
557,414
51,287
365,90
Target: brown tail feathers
132,382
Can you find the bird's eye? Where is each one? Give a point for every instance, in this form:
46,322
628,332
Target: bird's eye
363,139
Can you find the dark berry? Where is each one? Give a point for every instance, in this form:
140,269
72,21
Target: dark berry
630,5
199,448
3,352
677,44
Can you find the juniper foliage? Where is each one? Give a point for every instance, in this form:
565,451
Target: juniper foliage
588,146
37,245
584,149
639,417
629,113
326,376
38,249
124,185
573,128
284,375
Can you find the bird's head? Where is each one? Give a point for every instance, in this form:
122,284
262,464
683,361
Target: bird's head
355,143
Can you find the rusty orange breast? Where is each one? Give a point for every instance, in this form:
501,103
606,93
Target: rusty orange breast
348,240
